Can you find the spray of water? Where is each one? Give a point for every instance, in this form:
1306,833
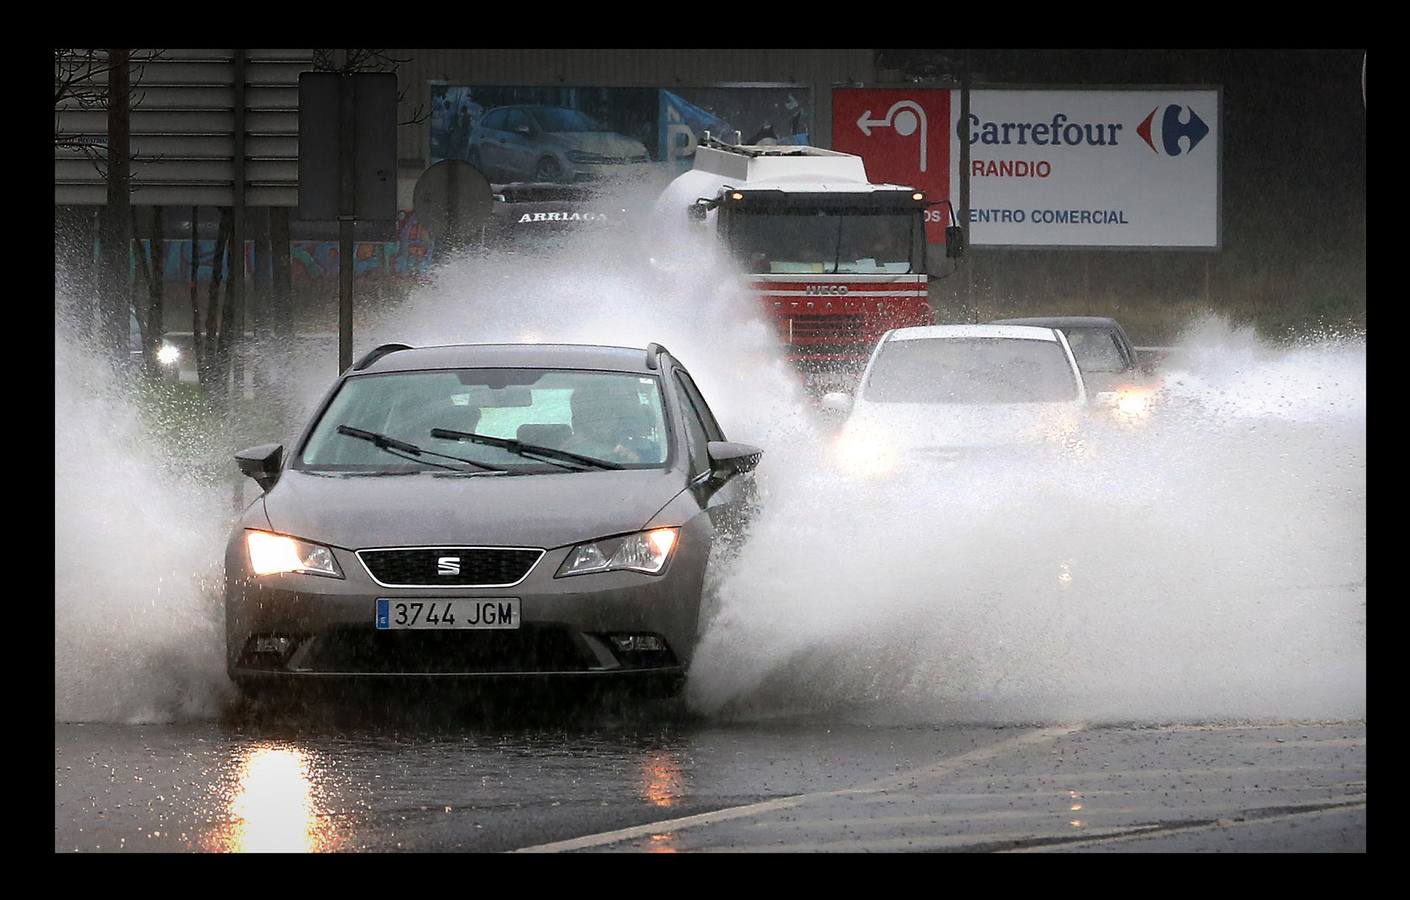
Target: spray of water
1206,563
137,540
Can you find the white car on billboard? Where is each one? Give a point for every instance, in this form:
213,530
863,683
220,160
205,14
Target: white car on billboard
551,144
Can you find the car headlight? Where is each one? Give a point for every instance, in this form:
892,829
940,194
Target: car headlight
271,554
645,551
1128,402
866,455
168,355
1133,403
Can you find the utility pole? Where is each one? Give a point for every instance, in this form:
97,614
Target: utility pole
347,208
347,163
236,285
964,184
113,298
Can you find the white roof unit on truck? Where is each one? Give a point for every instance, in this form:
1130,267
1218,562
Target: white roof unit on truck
788,168
791,168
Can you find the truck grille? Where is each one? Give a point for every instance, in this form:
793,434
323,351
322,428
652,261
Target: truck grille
422,566
806,329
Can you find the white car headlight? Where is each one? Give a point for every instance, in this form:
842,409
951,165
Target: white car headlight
1133,403
271,554
645,551
866,455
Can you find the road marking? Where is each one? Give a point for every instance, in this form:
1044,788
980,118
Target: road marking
1147,831
736,812
921,843
1250,769
857,824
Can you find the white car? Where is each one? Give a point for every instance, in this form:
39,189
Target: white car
938,393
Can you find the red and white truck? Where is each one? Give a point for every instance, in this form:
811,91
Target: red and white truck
835,259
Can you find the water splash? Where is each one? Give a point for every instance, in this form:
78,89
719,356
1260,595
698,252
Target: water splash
1208,564
138,633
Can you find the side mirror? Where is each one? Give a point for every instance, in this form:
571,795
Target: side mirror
728,459
525,130
836,401
261,463
697,211
954,242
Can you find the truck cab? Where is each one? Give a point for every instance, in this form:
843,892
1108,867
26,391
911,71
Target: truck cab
836,260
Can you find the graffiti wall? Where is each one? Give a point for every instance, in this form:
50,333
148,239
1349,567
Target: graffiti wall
409,256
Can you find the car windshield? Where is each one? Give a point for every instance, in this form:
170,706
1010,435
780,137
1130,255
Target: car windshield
971,370
611,416
557,119
826,241
1095,349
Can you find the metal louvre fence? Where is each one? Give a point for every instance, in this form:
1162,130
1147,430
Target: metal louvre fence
183,122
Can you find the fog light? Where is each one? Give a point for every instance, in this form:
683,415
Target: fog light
628,643
279,645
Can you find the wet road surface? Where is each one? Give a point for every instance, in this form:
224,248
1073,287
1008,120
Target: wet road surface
623,784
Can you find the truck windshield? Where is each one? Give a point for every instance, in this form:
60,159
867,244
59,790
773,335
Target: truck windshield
813,241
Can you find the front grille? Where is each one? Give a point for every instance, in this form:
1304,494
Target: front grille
804,329
422,566
521,650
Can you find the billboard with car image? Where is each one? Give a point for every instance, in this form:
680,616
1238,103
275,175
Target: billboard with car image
579,135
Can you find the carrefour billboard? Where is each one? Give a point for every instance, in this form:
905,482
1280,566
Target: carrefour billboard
1092,168
1050,168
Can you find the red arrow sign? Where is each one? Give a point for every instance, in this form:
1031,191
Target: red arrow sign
902,135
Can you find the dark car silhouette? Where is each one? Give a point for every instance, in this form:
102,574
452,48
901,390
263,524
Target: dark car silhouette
474,511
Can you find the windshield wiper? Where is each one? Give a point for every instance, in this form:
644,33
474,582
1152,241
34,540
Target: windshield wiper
519,448
402,448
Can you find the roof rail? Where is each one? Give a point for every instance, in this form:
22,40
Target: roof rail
652,351
377,353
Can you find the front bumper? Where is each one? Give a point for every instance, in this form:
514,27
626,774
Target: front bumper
568,626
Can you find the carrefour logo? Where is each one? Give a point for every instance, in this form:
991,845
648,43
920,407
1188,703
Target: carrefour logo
1171,128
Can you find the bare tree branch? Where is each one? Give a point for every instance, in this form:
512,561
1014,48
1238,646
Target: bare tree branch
81,81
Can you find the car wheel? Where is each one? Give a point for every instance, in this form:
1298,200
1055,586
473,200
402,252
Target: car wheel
548,169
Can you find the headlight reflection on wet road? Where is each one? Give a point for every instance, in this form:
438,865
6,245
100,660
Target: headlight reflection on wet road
662,780
274,806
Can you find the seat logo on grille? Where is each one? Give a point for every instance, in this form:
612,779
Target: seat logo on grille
448,565
826,289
